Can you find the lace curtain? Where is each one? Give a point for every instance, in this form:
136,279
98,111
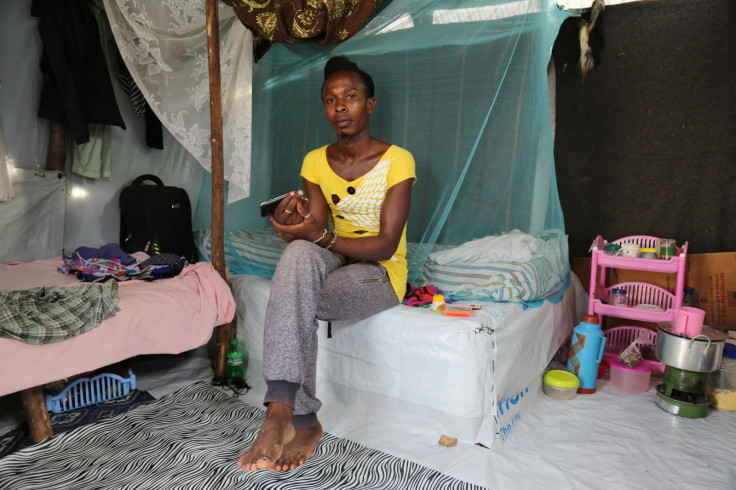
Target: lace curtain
164,46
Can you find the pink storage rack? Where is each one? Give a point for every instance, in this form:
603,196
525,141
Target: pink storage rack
639,294
619,338
642,300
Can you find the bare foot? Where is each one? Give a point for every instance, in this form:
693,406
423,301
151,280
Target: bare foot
268,447
300,449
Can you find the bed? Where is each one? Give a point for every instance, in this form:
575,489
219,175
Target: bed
165,316
470,378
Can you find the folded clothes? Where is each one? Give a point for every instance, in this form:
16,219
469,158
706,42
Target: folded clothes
101,270
109,251
422,296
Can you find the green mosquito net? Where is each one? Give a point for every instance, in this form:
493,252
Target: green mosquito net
462,84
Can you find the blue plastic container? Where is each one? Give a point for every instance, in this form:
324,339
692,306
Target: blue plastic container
88,391
586,351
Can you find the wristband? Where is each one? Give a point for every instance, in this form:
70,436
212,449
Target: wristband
324,234
332,242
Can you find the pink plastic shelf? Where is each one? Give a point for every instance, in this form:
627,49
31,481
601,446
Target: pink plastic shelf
641,293
671,265
619,338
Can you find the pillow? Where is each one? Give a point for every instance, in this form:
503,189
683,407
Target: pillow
510,267
514,246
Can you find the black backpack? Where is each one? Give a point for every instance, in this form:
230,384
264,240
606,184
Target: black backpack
156,219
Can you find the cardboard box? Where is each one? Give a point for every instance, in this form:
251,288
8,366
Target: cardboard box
712,276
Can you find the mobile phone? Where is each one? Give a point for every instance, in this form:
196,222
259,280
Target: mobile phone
269,205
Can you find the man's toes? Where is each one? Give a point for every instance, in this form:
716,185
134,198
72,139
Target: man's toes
242,461
267,461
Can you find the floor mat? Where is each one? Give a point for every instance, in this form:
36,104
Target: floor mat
192,438
17,438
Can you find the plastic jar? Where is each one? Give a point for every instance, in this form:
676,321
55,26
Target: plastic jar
618,297
722,383
628,379
667,248
560,385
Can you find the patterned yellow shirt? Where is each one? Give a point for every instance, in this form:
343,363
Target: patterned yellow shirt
358,214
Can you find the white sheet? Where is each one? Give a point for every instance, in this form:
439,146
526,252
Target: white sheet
165,316
468,377
32,223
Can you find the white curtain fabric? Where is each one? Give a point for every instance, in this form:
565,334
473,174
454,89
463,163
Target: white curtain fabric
164,46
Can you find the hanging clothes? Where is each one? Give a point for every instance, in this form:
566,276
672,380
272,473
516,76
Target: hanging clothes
154,128
93,158
76,89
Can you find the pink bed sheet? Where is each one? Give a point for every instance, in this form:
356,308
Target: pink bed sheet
166,316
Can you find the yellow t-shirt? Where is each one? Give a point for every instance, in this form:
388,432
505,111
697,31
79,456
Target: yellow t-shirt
358,214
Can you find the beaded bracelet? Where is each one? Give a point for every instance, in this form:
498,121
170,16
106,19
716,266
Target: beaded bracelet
324,234
334,239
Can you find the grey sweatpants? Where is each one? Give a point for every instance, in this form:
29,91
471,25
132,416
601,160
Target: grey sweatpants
310,284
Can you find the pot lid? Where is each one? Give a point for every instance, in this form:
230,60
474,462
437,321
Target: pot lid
714,334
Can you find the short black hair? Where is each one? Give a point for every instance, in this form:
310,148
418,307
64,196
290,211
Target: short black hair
342,63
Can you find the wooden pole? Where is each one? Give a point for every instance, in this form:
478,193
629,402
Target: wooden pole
224,333
39,423
56,157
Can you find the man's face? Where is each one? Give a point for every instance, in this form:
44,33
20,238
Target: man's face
345,103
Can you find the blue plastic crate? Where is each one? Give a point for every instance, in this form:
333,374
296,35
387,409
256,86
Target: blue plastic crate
88,391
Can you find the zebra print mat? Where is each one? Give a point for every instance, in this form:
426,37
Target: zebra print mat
191,439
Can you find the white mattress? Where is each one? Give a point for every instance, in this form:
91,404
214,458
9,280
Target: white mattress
470,378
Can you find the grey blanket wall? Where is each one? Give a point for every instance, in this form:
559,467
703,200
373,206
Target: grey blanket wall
646,142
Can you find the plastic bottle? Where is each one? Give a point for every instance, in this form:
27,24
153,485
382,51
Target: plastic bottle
235,362
586,352
438,301
687,299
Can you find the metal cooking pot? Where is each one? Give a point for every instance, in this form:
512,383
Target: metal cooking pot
700,354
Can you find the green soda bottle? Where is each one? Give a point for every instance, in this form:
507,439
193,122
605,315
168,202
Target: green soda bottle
235,362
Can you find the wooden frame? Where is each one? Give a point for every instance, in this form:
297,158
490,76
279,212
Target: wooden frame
226,332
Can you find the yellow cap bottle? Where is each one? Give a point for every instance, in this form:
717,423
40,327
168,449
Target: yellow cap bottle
438,301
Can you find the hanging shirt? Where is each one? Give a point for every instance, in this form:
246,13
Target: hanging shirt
358,214
76,89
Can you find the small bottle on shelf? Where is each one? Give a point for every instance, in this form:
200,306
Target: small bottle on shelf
687,299
618,297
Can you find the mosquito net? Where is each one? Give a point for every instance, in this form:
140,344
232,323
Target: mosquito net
462,84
